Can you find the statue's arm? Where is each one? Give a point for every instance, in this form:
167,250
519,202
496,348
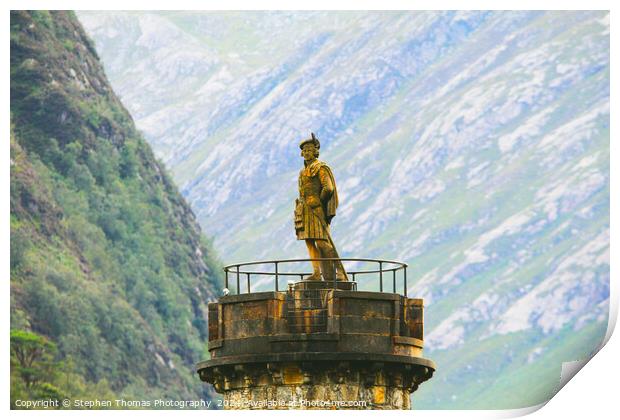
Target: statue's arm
327,187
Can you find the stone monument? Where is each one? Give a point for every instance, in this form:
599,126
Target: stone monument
320,343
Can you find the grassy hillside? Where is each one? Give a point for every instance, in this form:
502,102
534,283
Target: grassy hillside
110,275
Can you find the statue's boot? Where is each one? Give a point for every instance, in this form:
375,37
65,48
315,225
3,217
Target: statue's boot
328,268
316,276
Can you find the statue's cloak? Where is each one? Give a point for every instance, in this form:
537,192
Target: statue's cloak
330,206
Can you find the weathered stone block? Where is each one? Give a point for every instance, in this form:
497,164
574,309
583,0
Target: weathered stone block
362,324
367,308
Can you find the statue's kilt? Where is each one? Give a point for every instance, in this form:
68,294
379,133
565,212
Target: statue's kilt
309,222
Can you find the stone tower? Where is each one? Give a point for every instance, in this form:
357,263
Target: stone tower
316,346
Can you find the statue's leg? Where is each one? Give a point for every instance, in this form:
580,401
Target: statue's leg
340,272
314,253
327,251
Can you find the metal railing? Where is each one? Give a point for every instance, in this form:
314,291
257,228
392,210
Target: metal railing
306,311
387,270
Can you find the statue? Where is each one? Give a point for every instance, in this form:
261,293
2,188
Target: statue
314,210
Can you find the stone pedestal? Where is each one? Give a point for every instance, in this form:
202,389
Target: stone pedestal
316,349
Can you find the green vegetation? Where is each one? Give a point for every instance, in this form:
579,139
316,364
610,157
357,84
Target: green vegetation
38,375
32,366
110,275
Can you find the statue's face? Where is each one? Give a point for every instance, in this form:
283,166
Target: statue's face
309,151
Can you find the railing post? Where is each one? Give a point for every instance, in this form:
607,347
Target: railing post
248,274
381,276
238,284
405,280
276,276
394,281
226,282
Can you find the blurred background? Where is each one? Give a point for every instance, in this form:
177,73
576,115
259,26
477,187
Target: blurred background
472,145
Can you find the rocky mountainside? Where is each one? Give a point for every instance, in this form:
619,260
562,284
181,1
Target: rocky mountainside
110,273
472,145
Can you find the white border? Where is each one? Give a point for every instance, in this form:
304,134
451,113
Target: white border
592,394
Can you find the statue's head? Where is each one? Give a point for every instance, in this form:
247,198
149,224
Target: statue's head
310,148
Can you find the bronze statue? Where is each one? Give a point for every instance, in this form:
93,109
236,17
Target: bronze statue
314,210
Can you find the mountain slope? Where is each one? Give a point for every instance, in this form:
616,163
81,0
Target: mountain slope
472,145
108,262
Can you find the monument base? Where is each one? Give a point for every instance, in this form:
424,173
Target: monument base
316,349
319,285
316,386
